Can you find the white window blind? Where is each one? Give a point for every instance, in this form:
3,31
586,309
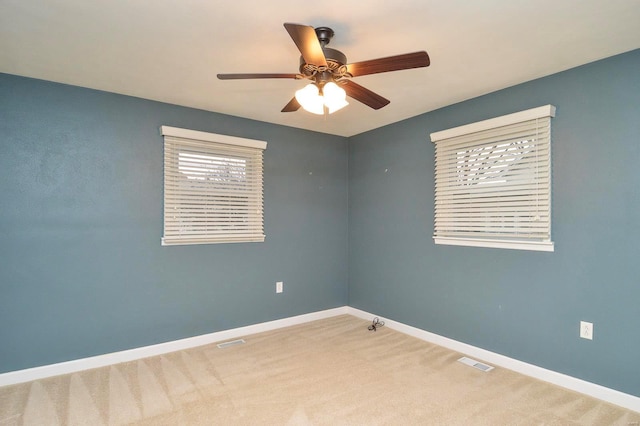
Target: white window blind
212,188
493,182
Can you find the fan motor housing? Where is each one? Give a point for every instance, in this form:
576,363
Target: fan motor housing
335,63
335,59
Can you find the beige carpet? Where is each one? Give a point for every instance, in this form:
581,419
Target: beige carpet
328,372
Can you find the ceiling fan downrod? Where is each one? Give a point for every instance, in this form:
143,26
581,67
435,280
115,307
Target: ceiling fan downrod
325,34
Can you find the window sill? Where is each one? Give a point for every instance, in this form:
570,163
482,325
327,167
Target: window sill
505,244
189,242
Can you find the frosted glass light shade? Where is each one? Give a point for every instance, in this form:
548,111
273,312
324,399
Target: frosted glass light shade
310,99
334,97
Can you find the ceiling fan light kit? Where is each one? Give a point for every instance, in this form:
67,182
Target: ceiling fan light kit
331,75
314,98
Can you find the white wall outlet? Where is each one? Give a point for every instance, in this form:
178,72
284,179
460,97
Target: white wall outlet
279,287
586,330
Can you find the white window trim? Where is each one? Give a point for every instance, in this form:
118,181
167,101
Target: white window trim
531,114
505,244
504,120
211,137
220,140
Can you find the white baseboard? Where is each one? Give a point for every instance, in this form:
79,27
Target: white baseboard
74,366
612,396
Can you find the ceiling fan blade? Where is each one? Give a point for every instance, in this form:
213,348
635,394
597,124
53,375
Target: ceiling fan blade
363,94
292,106
391,63
247,76
307,42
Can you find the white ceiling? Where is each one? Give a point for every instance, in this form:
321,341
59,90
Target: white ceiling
171,50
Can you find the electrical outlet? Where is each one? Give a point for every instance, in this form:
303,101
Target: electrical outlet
586,330
279,287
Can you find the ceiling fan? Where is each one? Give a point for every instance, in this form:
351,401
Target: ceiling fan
331,75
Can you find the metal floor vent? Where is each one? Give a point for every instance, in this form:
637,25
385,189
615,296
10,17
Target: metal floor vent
475,364
231,343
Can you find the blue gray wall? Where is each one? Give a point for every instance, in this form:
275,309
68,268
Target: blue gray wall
82,271
526,305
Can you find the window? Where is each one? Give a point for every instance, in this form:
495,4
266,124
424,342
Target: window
212,188
493,182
